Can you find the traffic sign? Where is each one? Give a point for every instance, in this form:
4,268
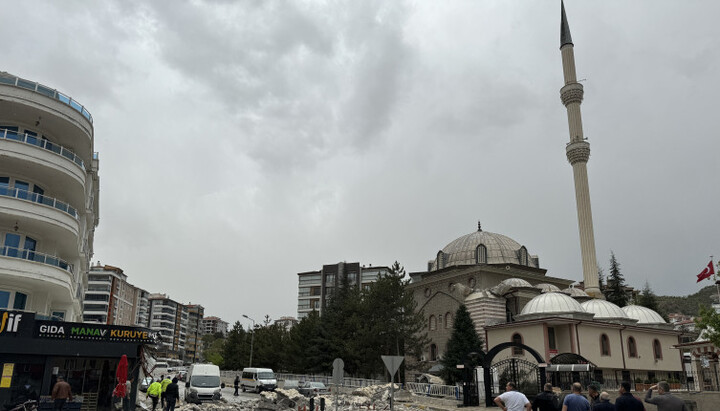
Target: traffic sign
392,363
338,371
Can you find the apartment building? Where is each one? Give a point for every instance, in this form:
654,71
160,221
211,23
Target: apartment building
170,319
48,199
193,345
212,325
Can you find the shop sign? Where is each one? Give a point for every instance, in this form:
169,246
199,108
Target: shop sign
6,380
15,323
93,332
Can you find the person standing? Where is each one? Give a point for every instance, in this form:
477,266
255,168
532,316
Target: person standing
593,395
237,385
164,382
575,401
627,401
171,395
127,399
154,391
513,400
61,393
546,400
664,400
604,403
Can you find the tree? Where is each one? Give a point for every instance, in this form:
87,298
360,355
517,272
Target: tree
647,298
236,351
213,347
709,323
615,289
601,277
463,341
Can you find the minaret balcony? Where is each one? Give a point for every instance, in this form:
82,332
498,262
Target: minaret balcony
571,93
578,152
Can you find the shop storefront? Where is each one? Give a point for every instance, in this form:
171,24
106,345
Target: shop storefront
33,353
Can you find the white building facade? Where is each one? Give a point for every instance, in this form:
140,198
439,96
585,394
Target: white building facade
48,199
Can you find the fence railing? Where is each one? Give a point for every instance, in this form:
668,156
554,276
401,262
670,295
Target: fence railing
34,140
32,255
705,379
434,390
26,195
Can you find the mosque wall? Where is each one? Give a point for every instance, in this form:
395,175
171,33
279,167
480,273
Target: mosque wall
669,359
532,336
590,337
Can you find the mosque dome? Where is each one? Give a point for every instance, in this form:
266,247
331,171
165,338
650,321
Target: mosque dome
552,303
643,315
604,310
508,284
547,288
483,247
575,292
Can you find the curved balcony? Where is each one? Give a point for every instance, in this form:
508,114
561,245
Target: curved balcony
32,140
39,199
37,257
7,78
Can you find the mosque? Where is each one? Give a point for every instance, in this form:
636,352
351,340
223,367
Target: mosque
511,299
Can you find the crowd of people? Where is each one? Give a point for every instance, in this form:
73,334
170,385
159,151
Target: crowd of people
548,400
165,391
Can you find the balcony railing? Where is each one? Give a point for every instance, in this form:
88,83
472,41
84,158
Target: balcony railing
7,78
21,194
37,257
42,143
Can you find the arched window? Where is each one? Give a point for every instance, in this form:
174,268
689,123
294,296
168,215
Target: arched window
432,323
481,254
604,345
448,320
517,338
523,256
657,350
632,348
433,352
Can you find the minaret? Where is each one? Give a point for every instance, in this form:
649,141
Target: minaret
578,153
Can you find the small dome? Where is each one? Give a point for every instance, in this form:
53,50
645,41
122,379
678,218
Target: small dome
481,294
499,249
575,292
552,303
644,315
508,284
547,288
603,310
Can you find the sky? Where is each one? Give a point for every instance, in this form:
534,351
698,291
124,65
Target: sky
243,142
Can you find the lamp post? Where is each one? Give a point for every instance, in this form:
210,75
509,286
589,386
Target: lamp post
252,339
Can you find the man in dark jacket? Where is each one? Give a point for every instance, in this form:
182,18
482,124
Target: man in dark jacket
171,395
626,401
593,395
603,403
237,385
546,400
664,400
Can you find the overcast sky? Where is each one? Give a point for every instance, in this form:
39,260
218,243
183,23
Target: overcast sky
242,142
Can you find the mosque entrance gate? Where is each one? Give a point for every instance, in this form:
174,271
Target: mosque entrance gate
526,375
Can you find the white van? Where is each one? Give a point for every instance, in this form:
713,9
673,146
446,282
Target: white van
258,379
203,383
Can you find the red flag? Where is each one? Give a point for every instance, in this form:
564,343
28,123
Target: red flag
708,272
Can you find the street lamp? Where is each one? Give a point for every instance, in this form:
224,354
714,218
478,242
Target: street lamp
252,339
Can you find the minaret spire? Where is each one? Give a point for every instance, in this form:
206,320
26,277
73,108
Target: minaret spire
578,154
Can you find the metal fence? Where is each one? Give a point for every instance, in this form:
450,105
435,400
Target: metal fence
434,390
326,379
705,379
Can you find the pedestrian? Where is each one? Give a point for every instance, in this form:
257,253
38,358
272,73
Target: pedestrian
61,393
237,385
164,382
664,400
546,400
575,401
604,403
513,400
171,395
593,395
127,399
627,401
154,391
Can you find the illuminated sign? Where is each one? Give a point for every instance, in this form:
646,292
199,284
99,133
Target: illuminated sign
10,321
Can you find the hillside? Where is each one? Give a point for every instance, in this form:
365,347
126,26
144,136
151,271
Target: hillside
687,305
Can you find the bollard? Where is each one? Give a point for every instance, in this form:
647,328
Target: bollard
322,404
312,404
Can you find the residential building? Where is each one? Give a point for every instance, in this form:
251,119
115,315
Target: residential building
110,299
48,199
212,325
316,287
170,319
193,345
287,322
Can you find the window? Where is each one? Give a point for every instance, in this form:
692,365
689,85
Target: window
481,254
604,345
657,350
448,320
4,299
551,339
21,301
58,315
632,348
517,338
432,323
433,352
523,256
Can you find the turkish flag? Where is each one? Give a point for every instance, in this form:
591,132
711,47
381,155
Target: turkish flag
707,272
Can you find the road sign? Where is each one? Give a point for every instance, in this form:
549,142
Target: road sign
392,363
338,371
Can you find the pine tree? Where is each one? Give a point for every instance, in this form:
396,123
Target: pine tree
601,277
615,289
647,298
463,341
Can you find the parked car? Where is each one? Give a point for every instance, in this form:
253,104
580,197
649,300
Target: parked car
312,388
145,383
291,385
